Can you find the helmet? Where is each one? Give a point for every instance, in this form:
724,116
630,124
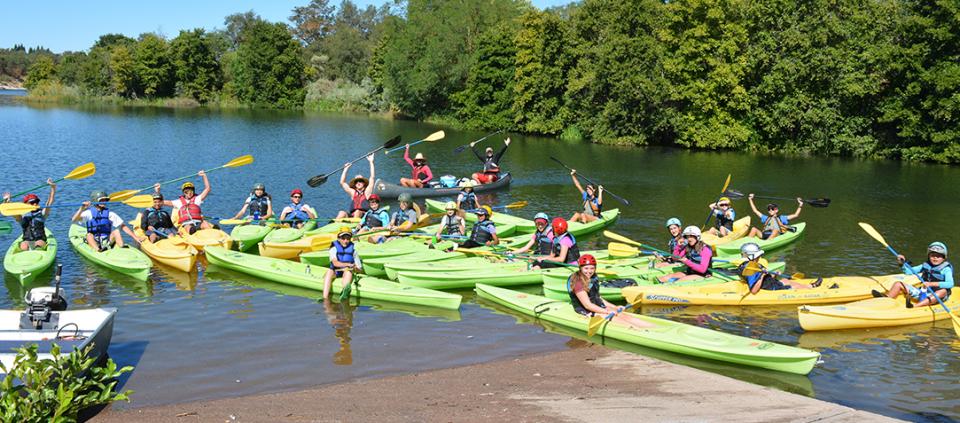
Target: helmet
344,230
541,216
97,195
673,221
157,196
937,247
296,191
450,206
559,226
187,185
374,197
587,260
31,197
723,200
692,231
484,210
405,198
751,250
257,186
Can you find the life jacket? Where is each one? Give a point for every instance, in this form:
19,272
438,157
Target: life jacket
453,224
775,224
573,253
722,221
344,254
189,211
99,225
489,166
258,206
374,218
592,205
672,245
159,219
483,231
359,201
931,273
751,280
468,199
544,241
400,217
297,213
693,255
33,226
593,291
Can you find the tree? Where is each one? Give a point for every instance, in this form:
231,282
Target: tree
269,68
70,68
237,23
542,64
195,65
154,67
110,40
487,99
42,71
312,22
122,71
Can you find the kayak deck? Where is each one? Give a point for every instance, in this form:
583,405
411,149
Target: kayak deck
26,265
871,313
129,261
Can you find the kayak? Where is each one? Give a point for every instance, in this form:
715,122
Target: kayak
129,261
176,254
666,335
392,191
503,229
288,243
733,247
27,265
848,288
523,226
397,247
465,264
248,235
607,218
204,238
507,274
871,313
374,266
741,227
302,275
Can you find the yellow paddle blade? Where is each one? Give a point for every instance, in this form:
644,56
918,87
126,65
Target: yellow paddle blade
435,136
596,322
726,184
82,171
240,161
233,221
139,201
798,275
123,195
607,272
348,219
322,242
873,233
16,209
471,251
516,205
621,238
634,298
617,249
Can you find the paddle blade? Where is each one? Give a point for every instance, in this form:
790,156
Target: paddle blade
733,194
621,238
392,142
617,249
233,221
322,242
798,275
123,195
596,322
818,202
726,184
460,149
873,233
436,136
16,209
317,181
140,201
240,161
82,171
516,205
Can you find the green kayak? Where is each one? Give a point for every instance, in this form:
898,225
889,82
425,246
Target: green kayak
367,251
523,226
666,335
305,276
27,265
129,261
503,229
249,235
464,264
289,234
733,247
607,218
374,266
507,274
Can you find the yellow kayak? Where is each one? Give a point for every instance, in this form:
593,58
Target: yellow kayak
871,313
741,227
203,237
833,290
175,253
293,249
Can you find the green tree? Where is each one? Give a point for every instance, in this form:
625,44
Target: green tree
237,23
269,67
487,99
123,71
154,66
312,22
42,71
109,40
542,64
196,66
70,68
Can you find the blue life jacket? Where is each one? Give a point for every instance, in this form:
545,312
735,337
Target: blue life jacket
258,206
573,253
593,292
722,221
374,218
672,245
33,226
544,240
468,199
297,213
400,217
931,273
483,231
99,225
344,254
159,219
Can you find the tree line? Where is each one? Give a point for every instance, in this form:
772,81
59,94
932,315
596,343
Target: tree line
879,78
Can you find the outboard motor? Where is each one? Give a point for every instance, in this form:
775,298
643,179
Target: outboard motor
41,302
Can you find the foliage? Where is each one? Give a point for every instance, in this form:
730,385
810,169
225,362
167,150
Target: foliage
197,70
56,389
311,23
269,66
41,71
153,66
123,76
487,99
542,64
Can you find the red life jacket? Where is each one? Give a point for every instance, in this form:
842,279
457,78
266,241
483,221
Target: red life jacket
189,211
359,201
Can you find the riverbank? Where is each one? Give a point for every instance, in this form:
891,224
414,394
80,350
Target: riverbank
583,384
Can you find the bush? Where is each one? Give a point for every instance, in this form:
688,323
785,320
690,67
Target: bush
341,95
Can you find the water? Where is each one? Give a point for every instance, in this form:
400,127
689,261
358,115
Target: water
193,337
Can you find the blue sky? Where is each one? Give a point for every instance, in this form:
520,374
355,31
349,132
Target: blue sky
74,25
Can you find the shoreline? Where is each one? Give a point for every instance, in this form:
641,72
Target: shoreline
593,383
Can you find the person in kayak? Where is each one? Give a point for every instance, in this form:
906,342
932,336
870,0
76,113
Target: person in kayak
344,261
33,223
258,203
563,249
451,224
467,199
592,201
674,246
420,172
297,212
189,214
724,215
491,163
484,232
773,223
374,218
401,220
753,272
695,254
103,226
541,242
583,286
155,221
359,190
936,273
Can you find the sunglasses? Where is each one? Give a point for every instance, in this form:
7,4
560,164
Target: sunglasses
346,236
34,202
296,196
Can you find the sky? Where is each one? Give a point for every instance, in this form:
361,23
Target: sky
74,25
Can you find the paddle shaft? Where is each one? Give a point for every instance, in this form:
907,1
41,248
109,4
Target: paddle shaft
37,187
374,151
617,197
408,145
461,148
716,202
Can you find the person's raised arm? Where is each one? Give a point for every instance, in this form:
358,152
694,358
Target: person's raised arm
369,188
497,157
477,153
600,196
343,179
156,189
53,192
576,182
754,206
797,212
76,216
206,186
406,156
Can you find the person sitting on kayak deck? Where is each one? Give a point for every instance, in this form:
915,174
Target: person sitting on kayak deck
936,273
674,246
583,286
695,254
451,224
753,272
563,249
592,201
402,220
484,232
103,226
542,240
297,212
491,163
258,203
155,221
189,214
34,222
724,217
374,218
344,261
773,223
467,199
420,173
359,190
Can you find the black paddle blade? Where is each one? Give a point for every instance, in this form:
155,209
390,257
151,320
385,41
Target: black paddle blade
392,142
317,181
818,202
733,194
460,149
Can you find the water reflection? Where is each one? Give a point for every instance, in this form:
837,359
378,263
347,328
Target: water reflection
340,317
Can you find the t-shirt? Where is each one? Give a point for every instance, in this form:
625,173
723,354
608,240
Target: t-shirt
115,221
356,257
783,219
411,215
179,204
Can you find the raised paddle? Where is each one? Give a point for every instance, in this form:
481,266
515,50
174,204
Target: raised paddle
617,197
814,202
80,172
436,136
320,179
876,235
237,162
461,148
18,209
717,201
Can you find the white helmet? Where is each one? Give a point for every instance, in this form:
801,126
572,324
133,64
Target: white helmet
751,251
692,231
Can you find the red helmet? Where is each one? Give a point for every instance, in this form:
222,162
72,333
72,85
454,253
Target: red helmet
296,191
31,197
587,260
559,226
374,197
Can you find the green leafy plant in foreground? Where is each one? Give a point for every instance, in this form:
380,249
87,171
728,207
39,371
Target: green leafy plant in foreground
56,389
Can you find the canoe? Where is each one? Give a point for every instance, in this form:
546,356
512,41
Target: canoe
733,247
94,325
465,264
302,275
247,236
176,254
871,313
850,288
667,335
391,191
741,227
507,274
129,261
374,266
523,226
204,238
27,265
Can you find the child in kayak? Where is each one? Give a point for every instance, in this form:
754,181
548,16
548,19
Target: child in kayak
467,199
484,233
592,201
491,163
402,220
258,203
695,254
103,226
344,261
583,286
33,223
359,190
374,218
190,216
155,221
542,240
723,217
773,223
936,273
451,224
674,246
420,172
753,272
297,212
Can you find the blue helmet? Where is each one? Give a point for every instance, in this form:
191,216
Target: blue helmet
673,221
541,215
937,247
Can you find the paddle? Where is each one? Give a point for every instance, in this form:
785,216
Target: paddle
237,162
436,136
596,322
461,148
617,197
814,202
513,205
717,201
223,221
17,209
876,235
80,172
507,254
320,179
